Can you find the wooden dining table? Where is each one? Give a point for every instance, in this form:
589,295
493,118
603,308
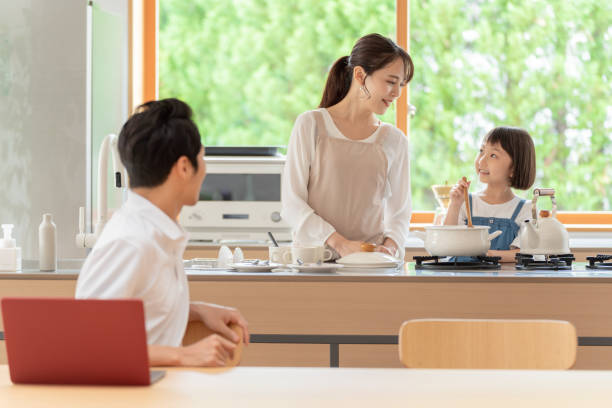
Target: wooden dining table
328,387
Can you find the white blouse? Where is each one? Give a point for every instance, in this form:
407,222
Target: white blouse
307,226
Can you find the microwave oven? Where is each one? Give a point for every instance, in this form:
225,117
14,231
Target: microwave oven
240,200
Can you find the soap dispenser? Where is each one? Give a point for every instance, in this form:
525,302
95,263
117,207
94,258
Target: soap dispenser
10,253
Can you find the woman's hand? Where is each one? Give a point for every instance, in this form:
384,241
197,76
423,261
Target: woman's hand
457,193
342,245
218,318
388,247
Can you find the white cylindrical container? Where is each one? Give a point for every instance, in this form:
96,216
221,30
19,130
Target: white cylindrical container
47,244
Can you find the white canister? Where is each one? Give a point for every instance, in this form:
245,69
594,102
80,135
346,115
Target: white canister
47,244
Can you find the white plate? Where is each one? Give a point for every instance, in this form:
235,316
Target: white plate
369,260
249,267
317,268
384,265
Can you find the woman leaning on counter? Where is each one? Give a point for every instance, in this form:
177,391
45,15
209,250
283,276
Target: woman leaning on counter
347,175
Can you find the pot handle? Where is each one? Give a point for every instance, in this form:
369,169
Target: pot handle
420,235
494,235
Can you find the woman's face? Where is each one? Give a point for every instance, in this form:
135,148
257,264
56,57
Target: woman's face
385,86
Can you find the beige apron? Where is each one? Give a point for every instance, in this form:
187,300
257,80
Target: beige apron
347,185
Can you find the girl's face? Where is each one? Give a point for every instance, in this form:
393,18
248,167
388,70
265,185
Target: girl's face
385,86
493,165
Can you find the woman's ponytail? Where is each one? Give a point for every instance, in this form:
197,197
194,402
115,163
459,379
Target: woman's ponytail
338,83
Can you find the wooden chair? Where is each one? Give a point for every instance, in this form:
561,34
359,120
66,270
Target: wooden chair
488,343
3,358
197,331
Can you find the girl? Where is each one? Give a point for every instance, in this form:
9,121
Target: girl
506,160
346,179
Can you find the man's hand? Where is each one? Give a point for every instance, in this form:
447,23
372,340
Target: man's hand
218,318
211,351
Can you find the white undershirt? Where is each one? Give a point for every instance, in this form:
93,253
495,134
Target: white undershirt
140,255
310,228
504,210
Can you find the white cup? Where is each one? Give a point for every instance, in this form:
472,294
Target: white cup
307,254
277,254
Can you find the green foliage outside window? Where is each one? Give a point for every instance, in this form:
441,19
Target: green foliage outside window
249,67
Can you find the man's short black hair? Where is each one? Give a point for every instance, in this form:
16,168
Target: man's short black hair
154,138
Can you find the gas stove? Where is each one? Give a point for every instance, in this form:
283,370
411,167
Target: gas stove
554,262
479,262
599,262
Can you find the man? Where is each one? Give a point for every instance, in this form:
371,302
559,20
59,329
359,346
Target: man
140,251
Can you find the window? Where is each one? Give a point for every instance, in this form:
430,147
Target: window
248,68
540,65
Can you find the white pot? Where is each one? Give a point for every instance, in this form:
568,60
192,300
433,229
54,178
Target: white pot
457,240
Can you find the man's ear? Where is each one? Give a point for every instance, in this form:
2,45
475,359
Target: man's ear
183,167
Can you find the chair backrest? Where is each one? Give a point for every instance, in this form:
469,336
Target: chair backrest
196,331
3,359
487,343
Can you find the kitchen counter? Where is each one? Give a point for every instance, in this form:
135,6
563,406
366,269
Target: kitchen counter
351,319
508,272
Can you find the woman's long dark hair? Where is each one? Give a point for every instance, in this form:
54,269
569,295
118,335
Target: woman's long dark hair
371,52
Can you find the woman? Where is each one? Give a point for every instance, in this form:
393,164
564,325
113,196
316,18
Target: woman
347,175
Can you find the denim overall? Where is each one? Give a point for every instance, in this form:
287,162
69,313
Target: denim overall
507,226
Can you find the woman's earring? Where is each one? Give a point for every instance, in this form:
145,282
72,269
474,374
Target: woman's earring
365,92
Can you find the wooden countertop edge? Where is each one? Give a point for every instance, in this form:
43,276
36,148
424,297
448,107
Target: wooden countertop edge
235,277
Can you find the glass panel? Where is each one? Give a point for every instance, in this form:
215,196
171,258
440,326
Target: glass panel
241,187
248,68
540,65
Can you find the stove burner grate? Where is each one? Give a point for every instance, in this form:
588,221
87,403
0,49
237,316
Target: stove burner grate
554,262
480,262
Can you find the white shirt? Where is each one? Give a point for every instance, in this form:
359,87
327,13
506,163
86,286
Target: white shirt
140,255
307,226
504,210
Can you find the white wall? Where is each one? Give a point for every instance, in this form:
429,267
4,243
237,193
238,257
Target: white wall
42,118
43,125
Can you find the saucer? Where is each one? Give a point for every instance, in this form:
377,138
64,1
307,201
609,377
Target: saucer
250,267
316,268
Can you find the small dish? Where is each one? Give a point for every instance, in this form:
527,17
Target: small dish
316,267
251,267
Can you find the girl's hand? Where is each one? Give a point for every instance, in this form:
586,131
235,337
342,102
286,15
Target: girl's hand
457,193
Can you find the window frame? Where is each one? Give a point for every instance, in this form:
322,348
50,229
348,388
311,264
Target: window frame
143,76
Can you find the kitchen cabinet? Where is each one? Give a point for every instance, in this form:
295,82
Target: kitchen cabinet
291,309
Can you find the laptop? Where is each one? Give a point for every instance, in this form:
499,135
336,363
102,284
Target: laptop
76,341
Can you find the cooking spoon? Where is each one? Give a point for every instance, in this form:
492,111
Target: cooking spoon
467,206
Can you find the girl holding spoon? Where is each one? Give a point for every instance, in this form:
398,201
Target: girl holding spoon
506,160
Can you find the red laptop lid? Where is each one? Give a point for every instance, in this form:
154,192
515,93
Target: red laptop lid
74,341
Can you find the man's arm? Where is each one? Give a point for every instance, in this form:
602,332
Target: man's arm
212,351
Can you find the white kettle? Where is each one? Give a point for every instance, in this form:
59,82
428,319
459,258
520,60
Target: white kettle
543,234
